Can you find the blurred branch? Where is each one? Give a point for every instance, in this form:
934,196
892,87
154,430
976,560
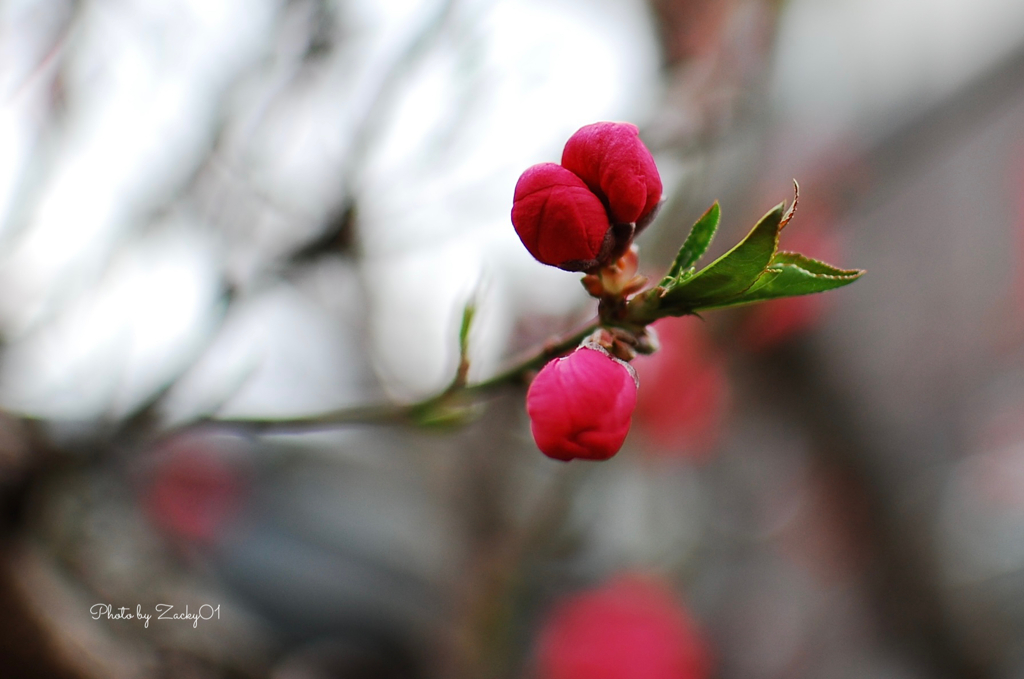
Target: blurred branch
910,145
365,132
336,239
434,409
904,579
26,646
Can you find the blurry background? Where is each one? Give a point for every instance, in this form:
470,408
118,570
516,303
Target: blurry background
265,208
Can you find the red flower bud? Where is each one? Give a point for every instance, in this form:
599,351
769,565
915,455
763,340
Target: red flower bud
580,405
632,628
560,221
616,165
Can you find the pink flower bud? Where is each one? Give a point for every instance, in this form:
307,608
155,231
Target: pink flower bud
632,628
617,166
580,405
560,221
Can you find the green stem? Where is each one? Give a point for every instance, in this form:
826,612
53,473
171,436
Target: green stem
393,413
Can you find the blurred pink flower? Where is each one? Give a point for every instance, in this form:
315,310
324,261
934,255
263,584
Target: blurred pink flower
631,628
580,405
194,490
685,399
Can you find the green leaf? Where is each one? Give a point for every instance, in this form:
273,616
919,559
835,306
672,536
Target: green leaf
812,265
766,277
462,372
732,273
696,243
790,280
446,416
467,321
753,271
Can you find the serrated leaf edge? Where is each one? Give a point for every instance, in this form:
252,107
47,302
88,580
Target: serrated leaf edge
683,267
741,243
846,274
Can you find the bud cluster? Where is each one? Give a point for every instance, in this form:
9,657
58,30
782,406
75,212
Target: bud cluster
582,215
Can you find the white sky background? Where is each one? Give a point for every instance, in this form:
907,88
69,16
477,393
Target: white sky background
95,321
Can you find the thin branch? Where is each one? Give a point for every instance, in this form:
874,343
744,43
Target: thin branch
412,413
